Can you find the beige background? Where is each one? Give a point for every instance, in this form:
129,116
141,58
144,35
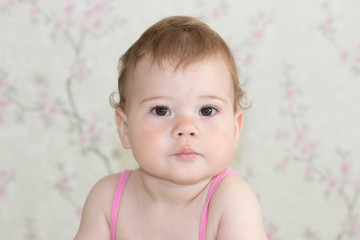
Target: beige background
300,61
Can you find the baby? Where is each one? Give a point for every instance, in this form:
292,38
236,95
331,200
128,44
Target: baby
180,114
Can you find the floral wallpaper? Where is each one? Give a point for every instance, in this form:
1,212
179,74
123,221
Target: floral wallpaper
299,62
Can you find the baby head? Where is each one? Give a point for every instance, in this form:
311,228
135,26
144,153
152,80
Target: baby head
179,109
180,41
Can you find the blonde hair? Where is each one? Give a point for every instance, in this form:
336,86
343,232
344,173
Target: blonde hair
184,39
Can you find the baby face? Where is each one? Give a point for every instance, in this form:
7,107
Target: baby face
181,125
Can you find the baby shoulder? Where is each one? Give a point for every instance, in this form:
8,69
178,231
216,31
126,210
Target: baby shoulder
234,190
96,212
104,189
240,212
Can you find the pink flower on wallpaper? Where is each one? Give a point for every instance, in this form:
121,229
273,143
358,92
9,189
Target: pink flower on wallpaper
285,134
285,161
257,34
82,142
235,51
271,231
80,70
58,25
305,128
97,8
351,57
64,181
78,211
308,170
34,12
97,24
69,9
93,17
2,191
332,183
352,227
357,186
289,94
262,16
270,235
93,131
4,175
88,13
248,59
3,104
357,60
43,95
49,112
329,21
308,149
52,110
299,137
216,13
344,56
10,3
345,168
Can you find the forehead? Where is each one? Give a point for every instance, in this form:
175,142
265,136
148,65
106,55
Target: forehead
148,67
207,77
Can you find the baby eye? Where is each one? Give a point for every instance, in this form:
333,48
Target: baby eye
160,111
207,111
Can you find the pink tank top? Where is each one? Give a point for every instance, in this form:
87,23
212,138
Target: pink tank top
203,222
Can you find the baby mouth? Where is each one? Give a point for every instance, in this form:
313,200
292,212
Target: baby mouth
186,154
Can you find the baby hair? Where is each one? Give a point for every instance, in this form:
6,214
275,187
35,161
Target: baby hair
182,41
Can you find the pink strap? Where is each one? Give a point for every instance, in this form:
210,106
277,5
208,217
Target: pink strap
116,202
213,186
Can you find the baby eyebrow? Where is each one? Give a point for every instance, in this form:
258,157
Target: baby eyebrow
214,97
167,98
154,98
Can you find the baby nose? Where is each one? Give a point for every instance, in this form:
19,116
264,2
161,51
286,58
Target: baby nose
185,133
186,127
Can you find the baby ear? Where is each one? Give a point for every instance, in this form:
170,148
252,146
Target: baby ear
122,127
238,125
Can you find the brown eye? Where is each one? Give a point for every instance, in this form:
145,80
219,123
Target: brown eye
207,111
160,111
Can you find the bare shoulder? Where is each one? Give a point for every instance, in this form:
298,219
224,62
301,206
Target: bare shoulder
239,210
96,213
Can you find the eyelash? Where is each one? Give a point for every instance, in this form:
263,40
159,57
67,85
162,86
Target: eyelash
153,110
212,108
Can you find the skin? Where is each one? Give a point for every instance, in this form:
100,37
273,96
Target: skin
182,129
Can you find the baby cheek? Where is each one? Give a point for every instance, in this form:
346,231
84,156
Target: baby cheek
151,139
223,138
225,148
144,143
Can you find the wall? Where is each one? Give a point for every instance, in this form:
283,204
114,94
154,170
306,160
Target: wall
299,61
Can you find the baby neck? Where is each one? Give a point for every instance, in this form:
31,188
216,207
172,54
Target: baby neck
165,193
